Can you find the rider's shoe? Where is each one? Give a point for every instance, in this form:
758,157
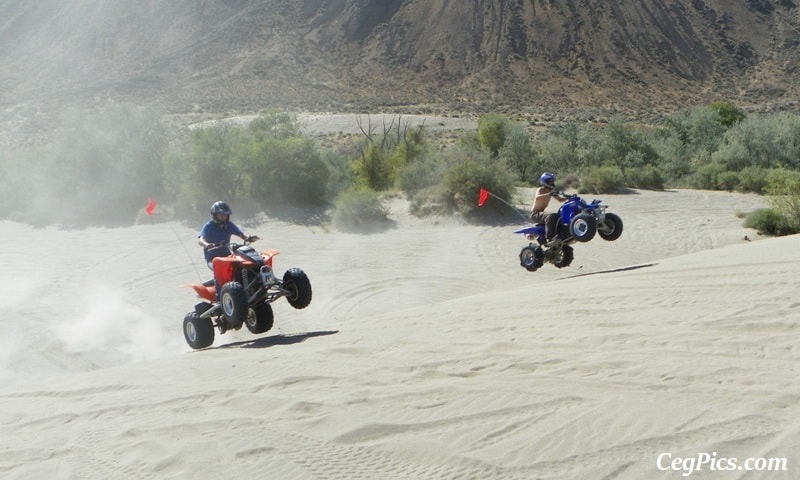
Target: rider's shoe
553,242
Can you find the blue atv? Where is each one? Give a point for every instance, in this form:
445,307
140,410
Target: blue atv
577,221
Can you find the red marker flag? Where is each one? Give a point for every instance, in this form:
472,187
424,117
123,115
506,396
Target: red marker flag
150,208
483,195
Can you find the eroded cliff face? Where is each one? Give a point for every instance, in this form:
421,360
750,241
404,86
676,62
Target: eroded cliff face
337,54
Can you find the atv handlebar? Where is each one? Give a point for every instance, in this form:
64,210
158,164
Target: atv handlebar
232,246
212,246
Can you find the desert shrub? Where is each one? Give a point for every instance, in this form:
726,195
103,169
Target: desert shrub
762,141
607,179
468,171
423,173
752,179
646,177
433,200
727,180
769,221
706,177
359,210
783,195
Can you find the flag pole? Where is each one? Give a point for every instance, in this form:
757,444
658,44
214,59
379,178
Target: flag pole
526,219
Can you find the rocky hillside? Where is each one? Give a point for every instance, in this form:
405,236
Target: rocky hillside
227,56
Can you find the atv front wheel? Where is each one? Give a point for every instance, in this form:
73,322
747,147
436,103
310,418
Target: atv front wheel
198,332
233,299
583,227
299,287
259,318
564,257
610,228
531,258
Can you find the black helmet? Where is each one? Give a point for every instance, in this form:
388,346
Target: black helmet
220,207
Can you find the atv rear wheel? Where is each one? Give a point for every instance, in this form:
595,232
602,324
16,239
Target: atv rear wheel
610,228
198,332
299,287
583,227
259,318
531,258
233,299
564,257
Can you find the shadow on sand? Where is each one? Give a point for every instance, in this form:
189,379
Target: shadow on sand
615,270
271,341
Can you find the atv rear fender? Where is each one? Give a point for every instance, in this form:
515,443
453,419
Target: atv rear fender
206,293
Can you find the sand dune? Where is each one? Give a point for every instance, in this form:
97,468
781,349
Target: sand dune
427,353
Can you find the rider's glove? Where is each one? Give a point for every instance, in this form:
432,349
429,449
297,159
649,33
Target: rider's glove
251,239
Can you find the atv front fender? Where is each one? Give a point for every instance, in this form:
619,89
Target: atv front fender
268,255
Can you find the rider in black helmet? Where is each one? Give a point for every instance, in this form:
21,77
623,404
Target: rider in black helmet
216,233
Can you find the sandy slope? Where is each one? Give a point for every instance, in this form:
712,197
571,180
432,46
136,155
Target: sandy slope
426,353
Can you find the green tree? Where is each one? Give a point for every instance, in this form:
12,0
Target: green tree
104,164
621,144
213,166
288,170
372,169
728,113
381,156
518,153
493,130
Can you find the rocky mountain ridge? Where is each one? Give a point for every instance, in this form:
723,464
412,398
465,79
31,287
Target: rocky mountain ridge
231,56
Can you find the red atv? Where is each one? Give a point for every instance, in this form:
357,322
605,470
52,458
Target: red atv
248,286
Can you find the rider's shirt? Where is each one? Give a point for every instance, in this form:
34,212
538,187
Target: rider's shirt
213,232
